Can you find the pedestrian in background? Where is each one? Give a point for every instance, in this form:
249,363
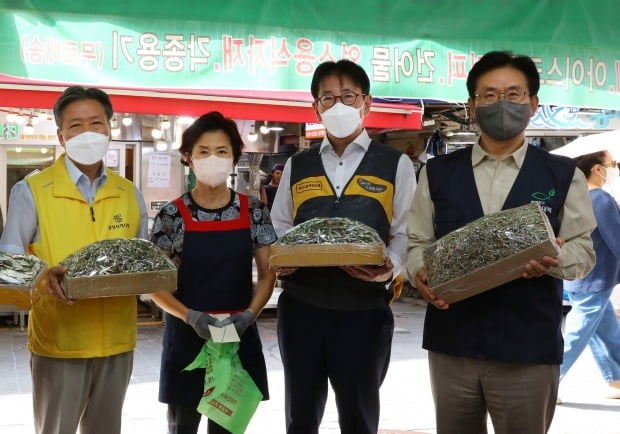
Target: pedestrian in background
335,325
268,193
499,351
82,350
592,320
212,233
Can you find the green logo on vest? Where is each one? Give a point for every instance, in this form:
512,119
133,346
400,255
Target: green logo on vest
542,196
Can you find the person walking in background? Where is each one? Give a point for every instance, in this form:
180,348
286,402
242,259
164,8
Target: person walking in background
592,320
82,350
268,193
335,325
499,351
212,233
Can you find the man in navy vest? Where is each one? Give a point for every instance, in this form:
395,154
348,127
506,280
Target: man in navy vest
499,352
334,323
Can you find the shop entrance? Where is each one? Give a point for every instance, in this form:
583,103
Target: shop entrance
21,161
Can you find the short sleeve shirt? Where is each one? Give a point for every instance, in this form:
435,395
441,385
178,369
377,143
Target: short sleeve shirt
169,228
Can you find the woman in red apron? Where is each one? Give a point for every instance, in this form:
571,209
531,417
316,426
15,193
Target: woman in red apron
212,233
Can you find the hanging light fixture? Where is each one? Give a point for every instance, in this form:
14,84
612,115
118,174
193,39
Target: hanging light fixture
161,145
186,120
42,116
18,149
29,128
10,118
44,150
165,123
115,130
156,133
264,128
127,120
252,136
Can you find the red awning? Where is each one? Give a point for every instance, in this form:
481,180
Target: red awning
392,116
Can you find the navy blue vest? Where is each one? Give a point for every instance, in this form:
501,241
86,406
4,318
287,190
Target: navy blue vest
367,197
516,322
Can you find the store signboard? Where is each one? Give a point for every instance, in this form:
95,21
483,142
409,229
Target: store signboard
314,131
13,133
211,55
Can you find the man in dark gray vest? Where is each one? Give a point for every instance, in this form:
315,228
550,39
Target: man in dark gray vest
499,352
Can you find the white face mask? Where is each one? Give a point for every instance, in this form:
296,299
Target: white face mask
342,120
611,175
213,170
87,148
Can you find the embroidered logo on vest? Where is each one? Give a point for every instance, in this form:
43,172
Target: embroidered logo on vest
542,197
118,222
370,186
311,185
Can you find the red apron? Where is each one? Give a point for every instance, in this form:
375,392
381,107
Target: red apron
215,276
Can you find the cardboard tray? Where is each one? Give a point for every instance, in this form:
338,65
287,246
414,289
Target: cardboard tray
15,298
499,272
326,255
113,285
493,275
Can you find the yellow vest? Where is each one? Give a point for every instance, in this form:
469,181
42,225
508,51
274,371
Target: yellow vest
97,327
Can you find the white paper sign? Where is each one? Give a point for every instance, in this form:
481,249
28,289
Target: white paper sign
111,158
227,333
159,170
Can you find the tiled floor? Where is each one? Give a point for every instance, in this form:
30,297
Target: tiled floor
406,398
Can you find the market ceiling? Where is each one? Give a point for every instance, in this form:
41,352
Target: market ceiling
254,60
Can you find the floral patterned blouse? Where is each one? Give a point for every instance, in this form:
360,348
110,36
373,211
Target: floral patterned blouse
168,227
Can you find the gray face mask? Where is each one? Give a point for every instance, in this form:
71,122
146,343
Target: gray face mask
503,120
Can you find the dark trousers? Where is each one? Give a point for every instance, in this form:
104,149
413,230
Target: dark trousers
184,419
348,348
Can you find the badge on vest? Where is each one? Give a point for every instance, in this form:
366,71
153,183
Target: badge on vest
118,223
541,198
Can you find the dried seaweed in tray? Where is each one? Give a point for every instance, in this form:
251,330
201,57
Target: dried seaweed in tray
116,256
330,230
19,270
485,241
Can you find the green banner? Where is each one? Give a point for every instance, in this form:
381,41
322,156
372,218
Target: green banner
211,53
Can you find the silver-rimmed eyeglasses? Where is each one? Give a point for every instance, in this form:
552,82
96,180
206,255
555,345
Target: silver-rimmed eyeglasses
347,98
515,94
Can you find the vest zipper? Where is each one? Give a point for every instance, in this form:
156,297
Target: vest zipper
92,213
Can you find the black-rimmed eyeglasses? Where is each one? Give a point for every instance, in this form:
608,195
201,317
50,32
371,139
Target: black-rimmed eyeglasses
347,98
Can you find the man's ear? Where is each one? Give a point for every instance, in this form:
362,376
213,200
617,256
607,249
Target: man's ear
61,139
534,104
367,104
315,107
472,108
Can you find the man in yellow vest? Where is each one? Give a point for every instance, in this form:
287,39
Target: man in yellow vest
82,350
